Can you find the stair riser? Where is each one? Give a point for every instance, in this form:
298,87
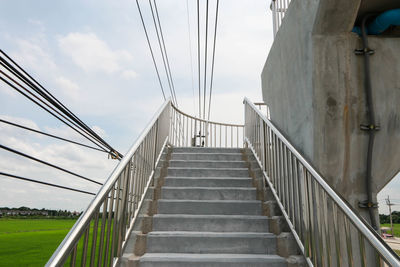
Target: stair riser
277,263
205,150
192,172
176,182
230,208
200,156
206,244
215,224
208,164
209,194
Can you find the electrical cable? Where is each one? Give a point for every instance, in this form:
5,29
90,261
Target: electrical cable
190,55
199,55
151,50
43,107
52,102
48,164
213,59
50,135
46,104
44,183
165,51
205,63
51,99
162,53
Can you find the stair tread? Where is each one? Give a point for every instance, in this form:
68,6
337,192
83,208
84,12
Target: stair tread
212,234
209,188
203,161
209,178
212,216
210,201
213,153
208,168
226,257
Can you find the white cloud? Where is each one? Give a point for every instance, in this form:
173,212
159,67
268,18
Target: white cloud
89,163
91,53
19,120
7,90
101,132
69,88
31,53
129,74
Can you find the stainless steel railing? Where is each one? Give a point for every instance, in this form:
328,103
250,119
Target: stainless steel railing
187,130
278,8
327,230
98,237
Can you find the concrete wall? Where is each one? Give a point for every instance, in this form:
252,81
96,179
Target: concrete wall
313,84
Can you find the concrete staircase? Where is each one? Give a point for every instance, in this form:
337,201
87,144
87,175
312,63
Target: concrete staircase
206,213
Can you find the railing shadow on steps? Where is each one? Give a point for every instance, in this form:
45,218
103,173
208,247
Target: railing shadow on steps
99,236
326,229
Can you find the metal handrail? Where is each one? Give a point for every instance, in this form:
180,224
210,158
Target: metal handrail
307,202
117,202
191,131
115,207
278,8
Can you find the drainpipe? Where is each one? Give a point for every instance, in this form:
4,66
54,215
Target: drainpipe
371,127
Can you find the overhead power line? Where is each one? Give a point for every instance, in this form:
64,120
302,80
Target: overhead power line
199,54
47,99
162,54
50,135
151,50
190,55
17,86
44,183
21,81
205,63
165,50
213,59
48,164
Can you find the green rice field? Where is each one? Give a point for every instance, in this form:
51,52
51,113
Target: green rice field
30,242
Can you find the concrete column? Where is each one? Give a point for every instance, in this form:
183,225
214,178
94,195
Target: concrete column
314,86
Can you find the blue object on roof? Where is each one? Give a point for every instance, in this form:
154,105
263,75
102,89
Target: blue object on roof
381,22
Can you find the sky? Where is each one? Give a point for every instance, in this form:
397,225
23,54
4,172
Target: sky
93,56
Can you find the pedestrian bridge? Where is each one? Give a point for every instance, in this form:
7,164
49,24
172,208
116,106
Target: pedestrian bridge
201,193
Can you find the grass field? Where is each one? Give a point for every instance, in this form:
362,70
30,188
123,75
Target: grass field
30,242
396,228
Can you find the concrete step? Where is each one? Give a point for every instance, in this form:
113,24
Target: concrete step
209,193
214,223
208,164
208,172
210,260
208,182
222,207
211,242
207,156
206,150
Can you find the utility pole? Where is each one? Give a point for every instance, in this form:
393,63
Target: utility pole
390,213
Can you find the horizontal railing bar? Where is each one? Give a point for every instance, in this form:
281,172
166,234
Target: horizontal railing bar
59,256
206,121
364,228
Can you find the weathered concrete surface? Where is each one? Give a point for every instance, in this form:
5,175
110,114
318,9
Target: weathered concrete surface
314,86
217,224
